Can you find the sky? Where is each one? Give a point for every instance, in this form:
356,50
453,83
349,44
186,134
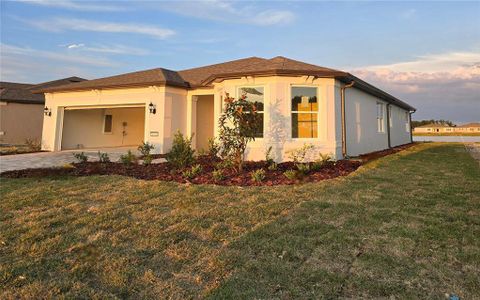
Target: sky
425,53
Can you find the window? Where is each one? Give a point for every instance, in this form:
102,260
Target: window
255,95
407,121
304,112
107,124
380,123
390,120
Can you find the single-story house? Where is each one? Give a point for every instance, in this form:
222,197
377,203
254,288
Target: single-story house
433,128
300,103
470,127
21,110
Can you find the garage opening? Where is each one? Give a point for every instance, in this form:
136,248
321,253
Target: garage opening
103,127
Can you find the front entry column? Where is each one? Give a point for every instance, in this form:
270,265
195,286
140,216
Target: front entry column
192,118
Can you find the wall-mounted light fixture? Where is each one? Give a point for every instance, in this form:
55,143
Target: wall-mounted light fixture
152,108
47,111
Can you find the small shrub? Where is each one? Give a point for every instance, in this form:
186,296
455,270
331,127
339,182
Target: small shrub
147,159
290,174
182,154
128,159
103,157
303,168
218,175
192,172
213,147
321,161
33,145
268,156
273,166
145,148
225,164
80,157
299,155
258,175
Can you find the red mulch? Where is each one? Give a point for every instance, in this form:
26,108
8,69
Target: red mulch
165,172
378,154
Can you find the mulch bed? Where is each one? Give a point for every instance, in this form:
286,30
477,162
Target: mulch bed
165,172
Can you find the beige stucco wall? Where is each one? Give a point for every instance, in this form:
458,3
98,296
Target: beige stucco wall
206,122
19,122
399,126
277,119
83,128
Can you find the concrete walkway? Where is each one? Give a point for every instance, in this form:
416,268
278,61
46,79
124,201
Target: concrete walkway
56,159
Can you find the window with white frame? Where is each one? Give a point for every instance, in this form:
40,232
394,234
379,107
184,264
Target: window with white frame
107,124
407,121
304,112
255,95
380,121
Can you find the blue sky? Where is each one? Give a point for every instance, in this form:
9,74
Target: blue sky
426,53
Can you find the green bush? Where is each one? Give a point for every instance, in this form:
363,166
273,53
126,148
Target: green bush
218,175
80,157
181,155
103,157
290,174
213,147
128,159
192,172
268,156
273,166
145,148
321,161
303,168
147,159
258,175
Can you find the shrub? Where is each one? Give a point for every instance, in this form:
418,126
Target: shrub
103,157
147,159
238,124
80,157
290,174
218,175
128,159
33,145
273,166
225,164
300,155
213,147
303,168
258,175
268,156
145,148
181,154
192,172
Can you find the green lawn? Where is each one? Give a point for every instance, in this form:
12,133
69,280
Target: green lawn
406,225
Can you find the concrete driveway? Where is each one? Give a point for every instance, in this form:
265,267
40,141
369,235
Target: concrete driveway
56,159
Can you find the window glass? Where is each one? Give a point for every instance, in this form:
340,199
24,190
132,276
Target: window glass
256,95
304,112
380,123
107,124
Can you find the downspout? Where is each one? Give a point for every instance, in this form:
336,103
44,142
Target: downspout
388,126
344,124
410,124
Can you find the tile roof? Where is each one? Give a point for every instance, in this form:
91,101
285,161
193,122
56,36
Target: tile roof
204,76
25,93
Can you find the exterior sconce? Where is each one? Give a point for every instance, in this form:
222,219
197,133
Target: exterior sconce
47,111
152,108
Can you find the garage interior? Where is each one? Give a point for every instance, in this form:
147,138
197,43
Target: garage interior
102,127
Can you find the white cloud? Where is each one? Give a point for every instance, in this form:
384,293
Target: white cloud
231,12
63,24
107,49
12,52
74,5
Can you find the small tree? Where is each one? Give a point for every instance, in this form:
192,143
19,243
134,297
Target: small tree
238,125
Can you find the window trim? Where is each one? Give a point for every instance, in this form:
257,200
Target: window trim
380,129
289,102
103,124
238,94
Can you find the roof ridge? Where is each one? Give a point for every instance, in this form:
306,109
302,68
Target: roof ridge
218,64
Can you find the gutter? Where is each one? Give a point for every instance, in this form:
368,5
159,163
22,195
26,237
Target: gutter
344,124
388,126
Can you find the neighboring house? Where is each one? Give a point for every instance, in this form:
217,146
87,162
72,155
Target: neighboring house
21,111
433,128
470,127
299,103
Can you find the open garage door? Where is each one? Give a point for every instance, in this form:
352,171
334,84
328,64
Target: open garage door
103,127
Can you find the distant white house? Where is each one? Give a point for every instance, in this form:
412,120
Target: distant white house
298,102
